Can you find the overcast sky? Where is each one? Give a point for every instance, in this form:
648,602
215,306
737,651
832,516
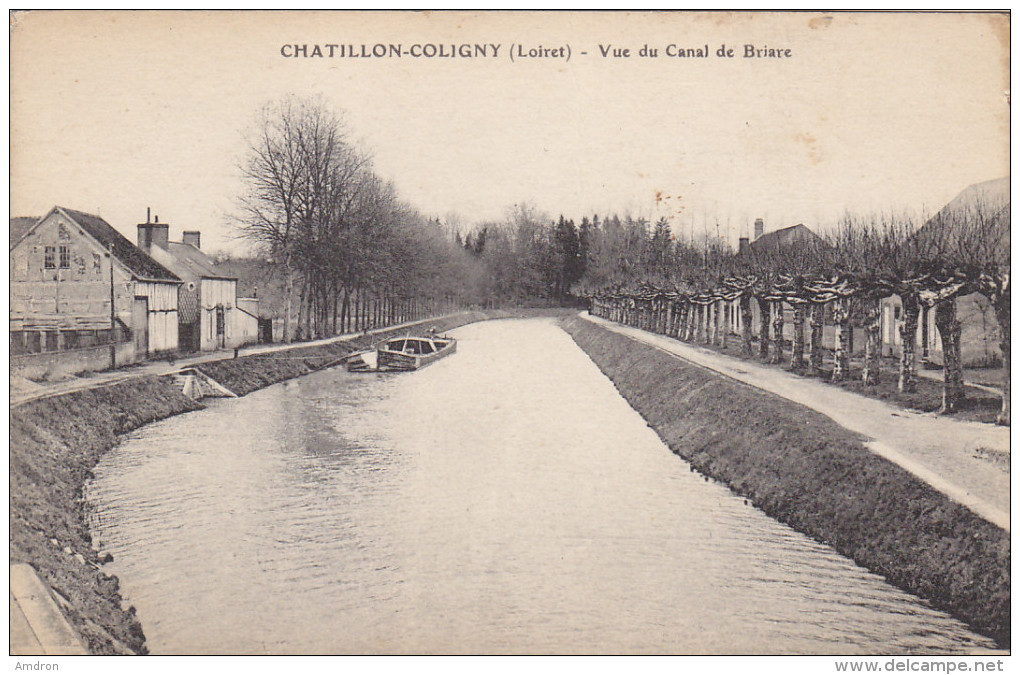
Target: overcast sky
113,112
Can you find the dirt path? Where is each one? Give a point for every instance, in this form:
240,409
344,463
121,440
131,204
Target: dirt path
955,457
22,391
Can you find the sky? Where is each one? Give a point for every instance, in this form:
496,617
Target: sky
115,112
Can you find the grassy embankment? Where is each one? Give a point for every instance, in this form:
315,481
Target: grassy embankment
56,442
803,469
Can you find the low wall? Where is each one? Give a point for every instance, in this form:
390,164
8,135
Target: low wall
803,469
55,443
59,365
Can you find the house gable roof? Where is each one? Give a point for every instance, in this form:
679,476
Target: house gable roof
20,225
980,211
787,236
136,261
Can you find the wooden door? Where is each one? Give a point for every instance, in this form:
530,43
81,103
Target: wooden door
140,325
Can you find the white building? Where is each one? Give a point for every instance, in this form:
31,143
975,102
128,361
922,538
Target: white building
211,315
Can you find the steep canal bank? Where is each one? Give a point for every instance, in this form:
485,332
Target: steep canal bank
506,499
803,469
56,442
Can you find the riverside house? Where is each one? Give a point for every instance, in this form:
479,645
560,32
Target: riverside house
66,270
210,314
987,202
784,239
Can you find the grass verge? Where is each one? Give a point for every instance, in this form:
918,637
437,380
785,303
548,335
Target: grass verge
803,469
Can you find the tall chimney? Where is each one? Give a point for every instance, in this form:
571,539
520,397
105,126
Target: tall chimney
193,237
152,233
759,227
744,246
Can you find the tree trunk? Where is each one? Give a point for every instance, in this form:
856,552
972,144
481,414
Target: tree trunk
871,374
777,331
763,328
288,304
817,334
1002,312
925,337
841,357
345,308
334,304
746,317
952,368
720,323
908,338
709,336
724,310
360,314
301,311
797,357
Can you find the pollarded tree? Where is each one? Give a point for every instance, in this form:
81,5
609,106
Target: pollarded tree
863,249
968,244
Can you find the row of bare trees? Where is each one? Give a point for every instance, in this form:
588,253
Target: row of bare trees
351,252
692,289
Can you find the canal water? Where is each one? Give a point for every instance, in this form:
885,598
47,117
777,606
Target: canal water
503,500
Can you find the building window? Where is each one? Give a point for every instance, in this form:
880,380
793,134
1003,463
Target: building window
50,257
896,312
65,258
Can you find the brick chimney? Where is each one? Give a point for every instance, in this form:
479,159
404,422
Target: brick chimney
152,233
744,246
193,237
759,227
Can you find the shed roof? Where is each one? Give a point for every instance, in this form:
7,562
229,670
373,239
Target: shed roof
187,261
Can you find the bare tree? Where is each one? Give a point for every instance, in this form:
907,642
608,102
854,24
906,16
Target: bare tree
285,164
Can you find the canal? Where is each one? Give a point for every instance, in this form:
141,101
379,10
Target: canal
503,500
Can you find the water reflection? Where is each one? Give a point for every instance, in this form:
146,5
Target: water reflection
502,500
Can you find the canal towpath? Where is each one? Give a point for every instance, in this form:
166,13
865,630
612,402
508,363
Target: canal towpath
952,456
22,390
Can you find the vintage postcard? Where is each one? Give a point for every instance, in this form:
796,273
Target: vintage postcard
501,333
